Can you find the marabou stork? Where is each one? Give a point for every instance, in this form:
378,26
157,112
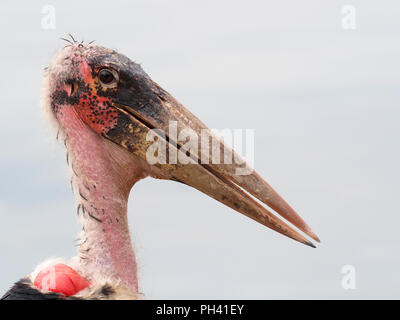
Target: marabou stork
103,106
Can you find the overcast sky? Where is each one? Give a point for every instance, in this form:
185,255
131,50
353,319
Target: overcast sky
324,103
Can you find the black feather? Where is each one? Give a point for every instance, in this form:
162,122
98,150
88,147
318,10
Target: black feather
24,290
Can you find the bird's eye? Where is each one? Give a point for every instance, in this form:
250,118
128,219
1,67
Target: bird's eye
108,77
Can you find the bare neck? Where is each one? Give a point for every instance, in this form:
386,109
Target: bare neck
103,175
105,249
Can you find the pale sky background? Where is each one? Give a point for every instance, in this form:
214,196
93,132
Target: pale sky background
324,103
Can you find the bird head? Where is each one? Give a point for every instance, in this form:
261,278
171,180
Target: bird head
117,101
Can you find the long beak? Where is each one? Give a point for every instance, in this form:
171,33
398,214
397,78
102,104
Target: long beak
218,180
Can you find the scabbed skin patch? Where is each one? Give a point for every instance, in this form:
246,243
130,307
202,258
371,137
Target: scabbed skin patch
62,279
86,95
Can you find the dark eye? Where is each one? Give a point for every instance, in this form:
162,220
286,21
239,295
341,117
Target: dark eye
108,77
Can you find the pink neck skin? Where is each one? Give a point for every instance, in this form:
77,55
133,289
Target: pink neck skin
103,175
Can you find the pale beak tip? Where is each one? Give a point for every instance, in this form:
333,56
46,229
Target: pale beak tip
313,236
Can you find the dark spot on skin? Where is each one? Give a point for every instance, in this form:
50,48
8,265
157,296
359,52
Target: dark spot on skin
83,210
107,290
73,170
81,195
95,218
82,243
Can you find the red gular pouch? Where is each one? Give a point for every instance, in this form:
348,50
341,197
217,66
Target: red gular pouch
62,279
